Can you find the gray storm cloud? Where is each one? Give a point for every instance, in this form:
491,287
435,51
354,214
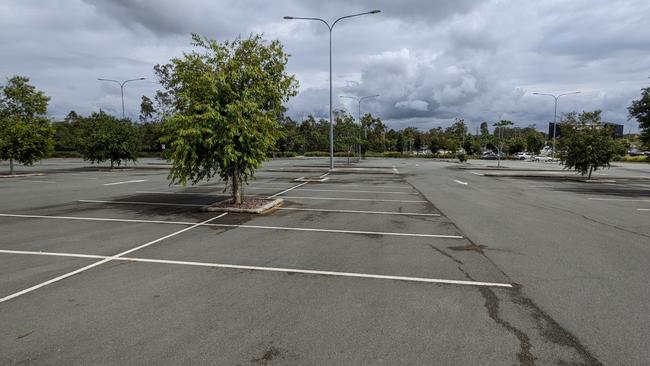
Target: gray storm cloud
430,61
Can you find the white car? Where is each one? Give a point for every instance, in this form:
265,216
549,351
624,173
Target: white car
523,155
542,158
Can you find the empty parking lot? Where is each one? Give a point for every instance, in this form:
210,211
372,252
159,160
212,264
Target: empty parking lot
360,265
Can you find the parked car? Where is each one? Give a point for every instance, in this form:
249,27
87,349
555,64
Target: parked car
523,155
541,158
489,155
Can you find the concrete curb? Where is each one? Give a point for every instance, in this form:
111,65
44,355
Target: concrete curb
271,204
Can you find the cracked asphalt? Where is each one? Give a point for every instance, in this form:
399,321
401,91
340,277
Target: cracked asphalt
578,267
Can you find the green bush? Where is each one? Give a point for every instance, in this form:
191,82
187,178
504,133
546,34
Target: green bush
150,154
317,153
633,159
285,154
343,154
66,154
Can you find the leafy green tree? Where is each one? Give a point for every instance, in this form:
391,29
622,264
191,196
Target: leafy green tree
25,134
516,145
534,141
499,132
347,134
315,134
105,138
586,144
147,109
227,99
291,139
484,129
640,109
392,140
376,131
150,134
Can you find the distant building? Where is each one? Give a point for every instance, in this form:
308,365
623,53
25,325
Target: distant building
617,130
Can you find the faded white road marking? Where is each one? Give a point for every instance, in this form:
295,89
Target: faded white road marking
37,181
352,191
619,199
475,173
643,209
288,189
361,212
264,227
459,182
105,260
292,197
272,269
142,203
126,182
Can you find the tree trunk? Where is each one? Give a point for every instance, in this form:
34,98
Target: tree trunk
590,169
236,186
11,166
112,163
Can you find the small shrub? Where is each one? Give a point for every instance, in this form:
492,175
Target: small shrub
317,153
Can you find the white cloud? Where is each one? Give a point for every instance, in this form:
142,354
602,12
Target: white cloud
418,105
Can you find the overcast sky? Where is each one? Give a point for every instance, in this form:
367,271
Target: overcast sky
430,61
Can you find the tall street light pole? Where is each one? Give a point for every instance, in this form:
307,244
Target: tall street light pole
359,100
330,28
121,84
556,97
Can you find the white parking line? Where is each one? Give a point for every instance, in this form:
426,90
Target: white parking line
292,197
475,173
352,191
361,212
105,260
459,182
341,183
288,189
352,199
619,199
643,209
97,219
278,208
126,182
38,181
264,227
194,194
141,203
272,269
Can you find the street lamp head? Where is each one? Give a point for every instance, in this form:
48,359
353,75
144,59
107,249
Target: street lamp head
287,17
375,11
535,93
142,79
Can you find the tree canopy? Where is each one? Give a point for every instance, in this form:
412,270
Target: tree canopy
25,134
103,137
586,144
226,100
640,109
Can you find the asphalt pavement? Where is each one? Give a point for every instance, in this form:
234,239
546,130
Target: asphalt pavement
388,261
